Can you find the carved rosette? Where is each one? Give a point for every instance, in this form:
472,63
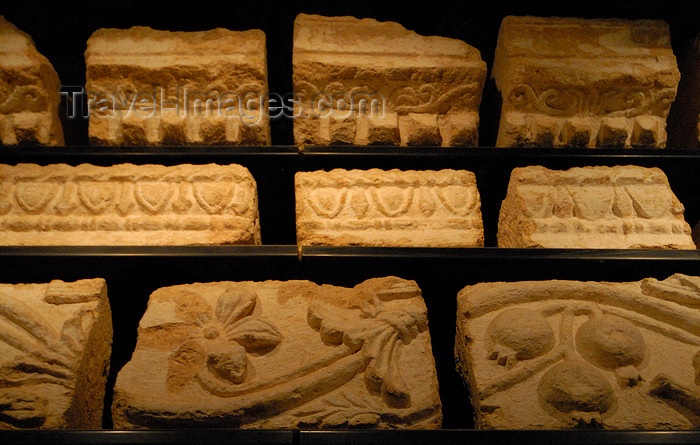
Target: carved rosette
581,354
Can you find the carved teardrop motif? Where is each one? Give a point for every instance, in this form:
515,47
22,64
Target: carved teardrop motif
327,202
458,199
393,201
126,201
96,196
33,197
426,202
214,197
182,202
68,201
563,203
651,201
153,196
241,200
359,203
592,202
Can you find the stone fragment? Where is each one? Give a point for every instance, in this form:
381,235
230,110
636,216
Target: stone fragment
571,354
55,344
401,88
29,92
150,87
684,120
127,204
388,208
622,207
568,82
281,354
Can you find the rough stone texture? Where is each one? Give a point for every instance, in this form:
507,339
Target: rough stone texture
164,74
388,208
568,354
29,91
55,343
281,355
569,82
127,204
622,207
684,119
416,90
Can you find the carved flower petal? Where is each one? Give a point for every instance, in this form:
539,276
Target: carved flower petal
228,360
254,333
184,364
234,304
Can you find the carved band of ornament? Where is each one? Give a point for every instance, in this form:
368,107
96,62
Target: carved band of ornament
123,198
595,203
392,201
614,101
23,98
426,98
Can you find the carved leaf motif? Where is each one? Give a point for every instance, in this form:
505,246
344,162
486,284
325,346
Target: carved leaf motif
241,200
182,203
184,364
393,201
619,102
22,411
67,202
25,318
228,361
359,203
126,200
623,206
214,197
457,199
73,331
327,202
254,333
592,202
153,196
650,201
96,196
563,203
234,304
33,197
539,202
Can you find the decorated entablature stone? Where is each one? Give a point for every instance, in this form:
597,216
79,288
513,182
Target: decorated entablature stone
281,354
570,354
29,92
568,82
152,87
364,82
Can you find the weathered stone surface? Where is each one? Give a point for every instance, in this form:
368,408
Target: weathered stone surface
571,354
29,91
55,343
569,82
127,204
392,86
152,87
281,355
684,120
388,208
622,207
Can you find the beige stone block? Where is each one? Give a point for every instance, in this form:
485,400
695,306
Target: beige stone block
55,344
388,208
29,91
365,69
127,204
622,207
278,354
595,75
150,87
571,354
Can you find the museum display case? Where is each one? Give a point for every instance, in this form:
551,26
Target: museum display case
132,273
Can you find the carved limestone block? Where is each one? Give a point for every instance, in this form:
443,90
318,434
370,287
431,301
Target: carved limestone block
569,82
29,91
364,82
684,120
55,343
279,354
150,87
622,207
388,208
571,354
127,204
